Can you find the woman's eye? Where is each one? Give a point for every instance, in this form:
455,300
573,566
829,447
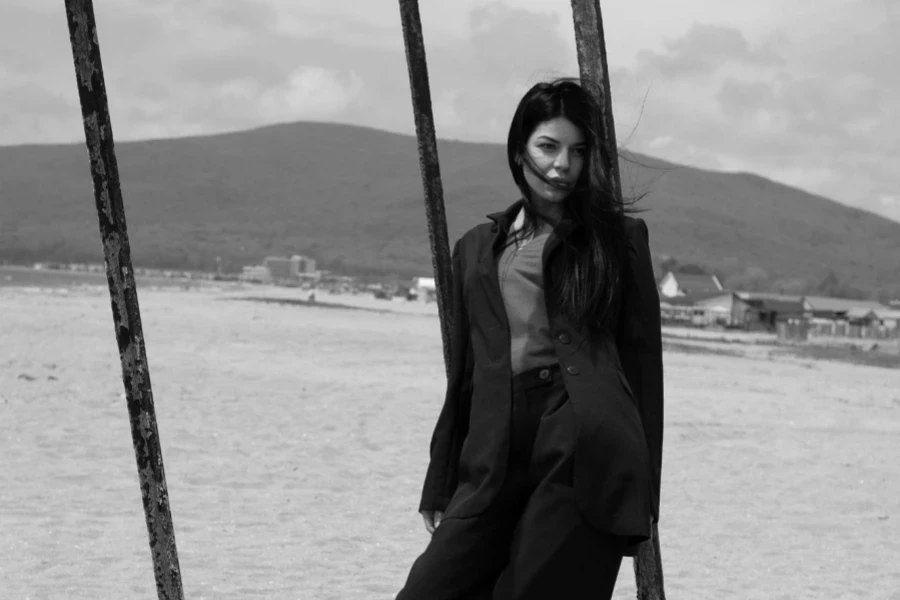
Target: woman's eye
546,146
578,151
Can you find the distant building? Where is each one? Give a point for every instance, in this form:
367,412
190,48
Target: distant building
256,273
747,310
889,317
423,288
674,285
716,308
854,325
864,313
283,267
305,264
765,310
830,308
710,308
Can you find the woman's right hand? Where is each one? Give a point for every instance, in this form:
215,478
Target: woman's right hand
432,519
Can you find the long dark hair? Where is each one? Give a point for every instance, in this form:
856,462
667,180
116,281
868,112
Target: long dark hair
587,268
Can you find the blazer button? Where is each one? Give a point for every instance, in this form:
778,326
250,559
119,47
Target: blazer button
572,370
564,338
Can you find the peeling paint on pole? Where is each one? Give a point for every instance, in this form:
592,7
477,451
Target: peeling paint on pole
591,45
429,166
123,296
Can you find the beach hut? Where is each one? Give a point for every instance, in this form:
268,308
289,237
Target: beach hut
889,318
422,288
764,311
674,285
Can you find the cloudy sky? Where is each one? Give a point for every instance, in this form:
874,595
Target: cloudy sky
805,92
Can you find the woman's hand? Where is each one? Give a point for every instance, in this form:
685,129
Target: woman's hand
432,519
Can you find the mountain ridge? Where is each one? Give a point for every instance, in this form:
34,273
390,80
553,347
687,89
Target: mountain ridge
351,197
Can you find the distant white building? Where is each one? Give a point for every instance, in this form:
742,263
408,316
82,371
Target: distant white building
305,264
256,273
889,317
674,285
293,267
423,288
839,306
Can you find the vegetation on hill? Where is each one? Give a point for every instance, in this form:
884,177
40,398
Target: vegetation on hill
351,197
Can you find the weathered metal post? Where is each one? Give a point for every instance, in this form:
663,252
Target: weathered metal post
123,294
591,45
429,166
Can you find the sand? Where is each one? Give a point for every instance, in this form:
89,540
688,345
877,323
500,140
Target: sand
295,440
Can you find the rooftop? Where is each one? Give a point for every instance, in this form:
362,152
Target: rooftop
690,280
841,304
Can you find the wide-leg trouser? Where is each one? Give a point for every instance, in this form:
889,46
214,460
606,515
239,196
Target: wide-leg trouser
532,543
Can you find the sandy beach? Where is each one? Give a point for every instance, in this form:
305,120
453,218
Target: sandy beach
295,440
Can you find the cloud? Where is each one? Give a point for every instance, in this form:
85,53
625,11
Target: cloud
705,49
31,113
245,15
220,67
310,92
482,75
506,42
797,107
30,97
169,77
891,205
205,66
806,94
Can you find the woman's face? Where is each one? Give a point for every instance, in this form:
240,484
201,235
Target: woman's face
557,149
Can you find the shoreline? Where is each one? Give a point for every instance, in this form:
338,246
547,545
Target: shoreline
743,344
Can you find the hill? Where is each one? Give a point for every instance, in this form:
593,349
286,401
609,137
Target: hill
352,198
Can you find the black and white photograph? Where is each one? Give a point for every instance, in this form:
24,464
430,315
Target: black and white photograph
449,300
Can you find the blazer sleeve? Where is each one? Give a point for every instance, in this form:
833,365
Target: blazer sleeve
639,340
442,475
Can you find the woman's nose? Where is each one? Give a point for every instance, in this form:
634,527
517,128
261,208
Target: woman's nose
562,161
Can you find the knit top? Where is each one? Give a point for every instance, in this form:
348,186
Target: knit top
521,277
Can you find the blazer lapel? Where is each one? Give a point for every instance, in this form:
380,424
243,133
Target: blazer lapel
556,237
560,232
488,260
502,222
487,263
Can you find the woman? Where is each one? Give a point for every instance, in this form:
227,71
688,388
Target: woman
545,461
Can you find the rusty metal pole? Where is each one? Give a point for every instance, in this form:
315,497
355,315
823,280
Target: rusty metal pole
429,167
591,45
126,314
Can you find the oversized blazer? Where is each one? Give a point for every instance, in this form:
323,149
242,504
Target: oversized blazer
615,387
